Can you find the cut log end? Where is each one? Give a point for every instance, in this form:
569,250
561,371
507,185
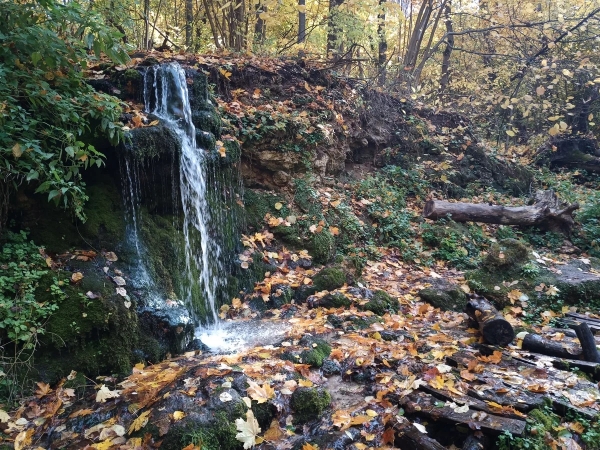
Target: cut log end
498,332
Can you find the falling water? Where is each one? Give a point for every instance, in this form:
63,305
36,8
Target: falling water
170,102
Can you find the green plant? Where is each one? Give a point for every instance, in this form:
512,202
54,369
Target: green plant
530,270
47,109
23,313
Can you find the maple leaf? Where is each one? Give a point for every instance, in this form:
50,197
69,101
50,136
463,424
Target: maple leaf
140,422
178,415
248,430
105,393
43,389
260,394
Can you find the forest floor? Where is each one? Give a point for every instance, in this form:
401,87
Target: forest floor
363,362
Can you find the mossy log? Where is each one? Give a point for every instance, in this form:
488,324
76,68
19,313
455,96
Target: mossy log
496,330
537,344
476,442
547,212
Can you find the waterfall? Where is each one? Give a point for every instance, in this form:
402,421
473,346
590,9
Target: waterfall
169,100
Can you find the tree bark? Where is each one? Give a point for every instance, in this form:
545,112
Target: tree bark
545,212
445,79
496,330
409,437
382,50
189,19
537,344
587,341
301,21
333,29
260,27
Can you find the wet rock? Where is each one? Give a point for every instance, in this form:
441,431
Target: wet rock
281,294
318,350
335,300
335,320
331,367
309,403
361,292
381,303
303,292
197,344
444,295
289,312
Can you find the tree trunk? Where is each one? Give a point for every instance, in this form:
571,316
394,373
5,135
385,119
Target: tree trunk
382,50
301,21
260,27
333,29
537,344
146,45
445,79
496,330
546,212
189,19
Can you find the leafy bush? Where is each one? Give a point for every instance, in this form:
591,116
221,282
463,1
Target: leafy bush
588,237
22,314
47,108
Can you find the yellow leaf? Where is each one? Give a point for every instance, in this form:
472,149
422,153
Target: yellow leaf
222,152
140,422
17,151
258,393
308,446
511,133
248,430
104,445
178,415
371,413
278,206
76,277
305,383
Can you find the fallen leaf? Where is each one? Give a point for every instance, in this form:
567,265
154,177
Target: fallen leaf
76,277
178,415
248,430
140,422
105,393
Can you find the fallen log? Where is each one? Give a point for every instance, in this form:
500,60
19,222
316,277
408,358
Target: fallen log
410,438
547,212
587,341
496,330
537,344
424,404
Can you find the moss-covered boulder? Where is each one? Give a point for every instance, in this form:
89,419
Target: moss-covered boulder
335,300
382,303
444,295
322,247
309,403
281,294
303,292
329,279
506,253
316,353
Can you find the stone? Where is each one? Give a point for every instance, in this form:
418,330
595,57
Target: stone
281,178
444,295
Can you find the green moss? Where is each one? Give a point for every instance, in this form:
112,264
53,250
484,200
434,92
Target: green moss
258,204
335,300
207,121
322,247
362,322
449,299
309,403
264,413
316,354
150,142
329,279
506,253
381,303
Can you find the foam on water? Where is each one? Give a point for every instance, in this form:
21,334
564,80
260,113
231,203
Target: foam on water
231,337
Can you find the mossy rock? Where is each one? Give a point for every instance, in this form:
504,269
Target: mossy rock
207,121
318,351
329,279
335,300
281,294
303,292
506,253
309,403
258,204
444,295
264,413
382,303
151,142
322,247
